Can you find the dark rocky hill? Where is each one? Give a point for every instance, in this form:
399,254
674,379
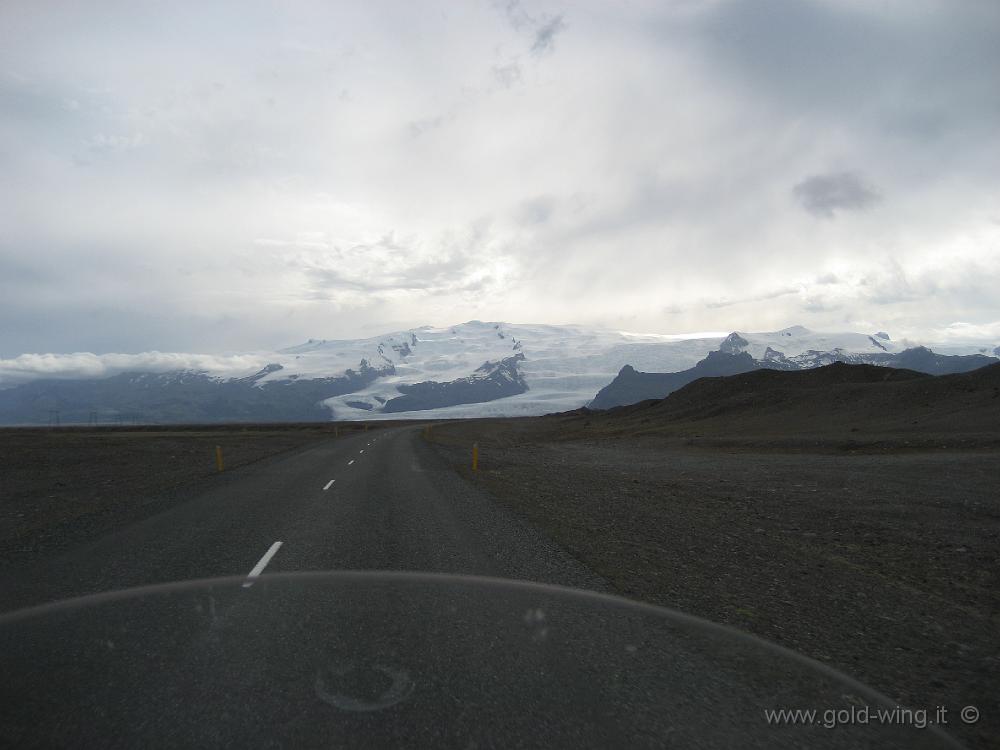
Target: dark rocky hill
492,380
631,386
838,398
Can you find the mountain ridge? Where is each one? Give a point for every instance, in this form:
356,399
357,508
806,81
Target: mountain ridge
473,369
631,386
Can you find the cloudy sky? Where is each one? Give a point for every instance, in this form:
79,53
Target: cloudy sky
206,177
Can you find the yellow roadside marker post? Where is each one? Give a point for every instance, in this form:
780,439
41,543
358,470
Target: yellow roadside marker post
475,456
218,457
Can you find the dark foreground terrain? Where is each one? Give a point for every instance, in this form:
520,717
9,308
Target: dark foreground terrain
853,520
849,516
63,486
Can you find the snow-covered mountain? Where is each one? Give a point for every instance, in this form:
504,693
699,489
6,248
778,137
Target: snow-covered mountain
472,369
563,366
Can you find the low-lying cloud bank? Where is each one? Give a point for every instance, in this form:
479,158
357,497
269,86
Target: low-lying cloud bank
29,367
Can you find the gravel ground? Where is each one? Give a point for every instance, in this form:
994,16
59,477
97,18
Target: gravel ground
883,565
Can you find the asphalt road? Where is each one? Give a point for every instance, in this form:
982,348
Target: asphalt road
378,500
275,660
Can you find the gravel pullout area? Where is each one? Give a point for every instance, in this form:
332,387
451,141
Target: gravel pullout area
883,565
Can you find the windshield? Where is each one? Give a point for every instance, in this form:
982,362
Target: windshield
366,659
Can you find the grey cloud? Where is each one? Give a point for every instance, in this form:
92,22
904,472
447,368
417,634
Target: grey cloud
642,203
543,29
545,35
419,127
517,16
27,367
507,75
818,304
536,210
61,118
76,325
824,195
822,54
24,102
106,143
772,294
433,277
391,265
916,82
891,284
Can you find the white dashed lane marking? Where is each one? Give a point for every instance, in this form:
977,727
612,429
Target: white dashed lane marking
261,564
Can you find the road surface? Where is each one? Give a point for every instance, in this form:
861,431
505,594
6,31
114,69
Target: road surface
377,500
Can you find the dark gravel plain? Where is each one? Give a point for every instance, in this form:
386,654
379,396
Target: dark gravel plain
64,486
876,554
